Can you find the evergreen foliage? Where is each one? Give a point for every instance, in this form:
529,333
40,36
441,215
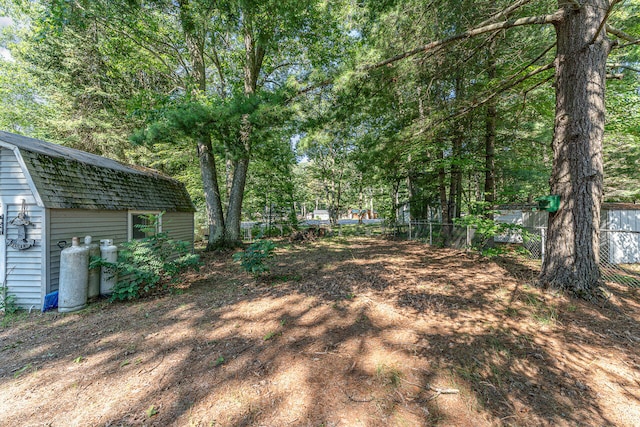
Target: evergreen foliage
271,109
254,258
149,264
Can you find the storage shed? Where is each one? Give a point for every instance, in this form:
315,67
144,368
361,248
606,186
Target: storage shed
50,193
622,224
619,226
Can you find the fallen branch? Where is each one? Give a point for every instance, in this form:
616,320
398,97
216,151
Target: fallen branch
437,390
357,400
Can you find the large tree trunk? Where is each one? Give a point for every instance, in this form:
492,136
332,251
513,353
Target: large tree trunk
208,172
234,212
455,185
211,192
572,258
444,205
490,142
254,56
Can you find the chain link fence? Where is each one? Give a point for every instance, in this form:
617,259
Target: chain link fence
619,253
619,249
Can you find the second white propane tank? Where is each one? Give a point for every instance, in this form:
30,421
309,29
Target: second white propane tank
74,276
108,276
94,273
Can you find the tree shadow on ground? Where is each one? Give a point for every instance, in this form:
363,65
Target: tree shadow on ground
361,331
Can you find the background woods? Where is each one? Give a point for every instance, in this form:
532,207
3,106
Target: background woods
281,108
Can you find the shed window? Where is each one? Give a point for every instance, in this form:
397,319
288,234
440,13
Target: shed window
139,223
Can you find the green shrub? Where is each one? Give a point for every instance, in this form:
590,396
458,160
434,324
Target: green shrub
486,229
253,259
7,302
150,263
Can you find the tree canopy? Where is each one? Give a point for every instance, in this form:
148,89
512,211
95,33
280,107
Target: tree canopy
287,106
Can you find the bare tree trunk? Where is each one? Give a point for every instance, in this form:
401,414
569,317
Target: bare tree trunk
211,192
228,174
208,171
396,200
444,205
572,257
455,185
490,141
254,55
234,212
360,199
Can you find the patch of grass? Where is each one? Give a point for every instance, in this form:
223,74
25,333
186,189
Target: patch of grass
283,278
496,343
219,361
542,312
151,411
362,319
22,370
13,318
10,346
271,335
511,312
546,315
498,375
466,372
389,375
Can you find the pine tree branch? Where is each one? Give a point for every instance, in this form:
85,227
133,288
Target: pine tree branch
504,13
504,87
171,73
624,66
532,20
622,35
604,20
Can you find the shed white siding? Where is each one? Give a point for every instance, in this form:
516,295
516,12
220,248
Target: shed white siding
509,217
23,268
14,186
65,193
67,223
624,246
535,219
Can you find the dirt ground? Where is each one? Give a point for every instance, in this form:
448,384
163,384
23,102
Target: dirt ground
357,332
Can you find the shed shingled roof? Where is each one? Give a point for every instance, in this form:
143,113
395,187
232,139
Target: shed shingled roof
66,178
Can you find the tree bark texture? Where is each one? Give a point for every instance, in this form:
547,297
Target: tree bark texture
209,176
444,205
208,171
254,56
490,141
232,235
572,246
455,185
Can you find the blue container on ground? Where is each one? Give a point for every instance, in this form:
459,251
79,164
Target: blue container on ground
50,301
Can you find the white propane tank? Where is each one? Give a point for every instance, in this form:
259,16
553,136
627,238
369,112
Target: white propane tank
74,276
94,273
108,277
